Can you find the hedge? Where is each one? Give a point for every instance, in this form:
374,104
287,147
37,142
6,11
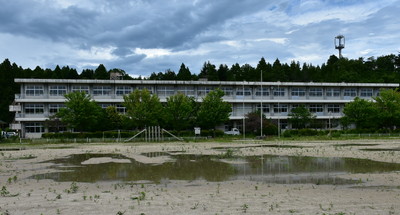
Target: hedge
125,134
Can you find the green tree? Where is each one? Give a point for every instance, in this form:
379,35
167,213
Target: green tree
179,111
87,74
208,71
223,72
253,124
362,113
184,73
300,117
143,108
388,104
101,73
213,110
81,112
113,118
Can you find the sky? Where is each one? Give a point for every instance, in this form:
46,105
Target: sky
146,36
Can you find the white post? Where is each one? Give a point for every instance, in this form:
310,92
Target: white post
244,126
280,112
262,92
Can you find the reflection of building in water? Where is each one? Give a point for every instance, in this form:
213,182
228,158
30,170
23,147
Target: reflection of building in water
284,169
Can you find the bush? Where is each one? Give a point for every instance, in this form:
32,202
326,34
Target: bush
97,134
304,132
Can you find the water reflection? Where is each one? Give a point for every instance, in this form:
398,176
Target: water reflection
266,168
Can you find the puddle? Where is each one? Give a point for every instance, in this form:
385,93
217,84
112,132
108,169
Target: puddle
155,154
11,149
382,150
261,146
266,168
355,144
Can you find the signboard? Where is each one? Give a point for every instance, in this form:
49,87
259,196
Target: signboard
197,130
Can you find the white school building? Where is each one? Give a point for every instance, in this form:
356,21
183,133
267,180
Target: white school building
41,98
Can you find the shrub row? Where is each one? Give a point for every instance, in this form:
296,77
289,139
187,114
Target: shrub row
125,134
304,132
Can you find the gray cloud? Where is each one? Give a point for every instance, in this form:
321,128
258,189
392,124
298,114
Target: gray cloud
86,33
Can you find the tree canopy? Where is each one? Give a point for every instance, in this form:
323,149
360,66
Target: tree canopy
300,117
179,111
81,112
143,108
213,110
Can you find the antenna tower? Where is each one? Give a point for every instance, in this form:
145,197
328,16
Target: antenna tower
339,44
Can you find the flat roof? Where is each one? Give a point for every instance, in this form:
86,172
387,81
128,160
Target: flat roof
218,83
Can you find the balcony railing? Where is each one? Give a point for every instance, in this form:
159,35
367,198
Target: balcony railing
14,108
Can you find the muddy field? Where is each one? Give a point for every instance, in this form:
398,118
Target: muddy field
323,177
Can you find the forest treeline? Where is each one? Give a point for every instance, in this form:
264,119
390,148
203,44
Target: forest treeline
383,69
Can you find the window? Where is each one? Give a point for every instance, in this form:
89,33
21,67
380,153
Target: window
54,108
351,92
120,108
187,90
101,90
58,90
333,108
298,91
228,91
34,108
242,110
202,91
165,90
104,106
333,92
314,108
149,88
265,108
34,127
315,92
293,106
123,90
246,92
366,93
80,88
279,92
34,90
264,91
280,108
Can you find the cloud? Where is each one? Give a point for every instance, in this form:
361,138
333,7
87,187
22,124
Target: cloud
145,36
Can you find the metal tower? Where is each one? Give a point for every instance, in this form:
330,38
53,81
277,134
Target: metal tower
339,44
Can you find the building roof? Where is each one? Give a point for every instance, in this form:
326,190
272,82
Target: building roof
215,83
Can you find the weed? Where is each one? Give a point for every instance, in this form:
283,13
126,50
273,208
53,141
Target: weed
196,205
228,154
74,187
121,213
244,208
140,197
5,193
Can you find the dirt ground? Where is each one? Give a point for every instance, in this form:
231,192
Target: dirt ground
379,193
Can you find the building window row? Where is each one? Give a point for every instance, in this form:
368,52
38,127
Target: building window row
55,108
168,90
34,127
285,108
34,108
58,90
80,88
34,90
